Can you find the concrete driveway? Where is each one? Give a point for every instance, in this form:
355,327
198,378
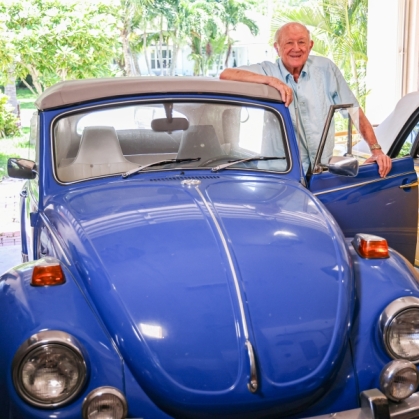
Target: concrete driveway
9,224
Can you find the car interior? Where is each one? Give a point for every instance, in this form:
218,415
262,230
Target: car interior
101,142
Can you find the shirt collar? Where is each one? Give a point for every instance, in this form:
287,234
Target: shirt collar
287,75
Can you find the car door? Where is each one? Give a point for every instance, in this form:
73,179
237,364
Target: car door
367,203
407,144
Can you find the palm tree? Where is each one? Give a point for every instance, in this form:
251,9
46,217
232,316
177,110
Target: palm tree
234,14
339,31
131,14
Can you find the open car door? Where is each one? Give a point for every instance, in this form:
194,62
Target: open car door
358,198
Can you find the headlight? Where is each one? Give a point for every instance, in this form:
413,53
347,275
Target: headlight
49,369
399,380
399,325
105,403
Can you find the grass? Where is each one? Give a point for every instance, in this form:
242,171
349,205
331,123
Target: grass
26,98
18,146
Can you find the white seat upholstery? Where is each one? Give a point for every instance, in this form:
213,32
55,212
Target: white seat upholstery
99,154
199,141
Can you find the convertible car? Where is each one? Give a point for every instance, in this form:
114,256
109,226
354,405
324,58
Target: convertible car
177,262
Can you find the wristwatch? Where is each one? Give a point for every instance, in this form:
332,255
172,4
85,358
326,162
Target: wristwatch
375,146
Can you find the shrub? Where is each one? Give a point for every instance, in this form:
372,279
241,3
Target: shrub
9,123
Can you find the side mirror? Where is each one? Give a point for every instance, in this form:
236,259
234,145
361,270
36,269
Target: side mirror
169,124
343,166
21,168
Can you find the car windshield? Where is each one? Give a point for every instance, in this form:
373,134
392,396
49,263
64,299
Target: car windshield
189,135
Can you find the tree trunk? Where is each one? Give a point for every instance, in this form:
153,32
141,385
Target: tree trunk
10,91
161,47
174,58
145,48
35,80
136,65
228,52
126,52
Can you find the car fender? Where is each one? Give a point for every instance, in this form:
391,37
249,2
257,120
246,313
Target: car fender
378,283
27,309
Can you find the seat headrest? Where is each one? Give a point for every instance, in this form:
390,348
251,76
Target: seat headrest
200,141
99,145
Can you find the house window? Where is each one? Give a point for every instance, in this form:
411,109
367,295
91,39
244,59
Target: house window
166,59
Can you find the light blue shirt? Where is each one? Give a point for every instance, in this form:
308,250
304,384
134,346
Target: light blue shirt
320,85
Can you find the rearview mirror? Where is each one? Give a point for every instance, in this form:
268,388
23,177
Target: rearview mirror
166,125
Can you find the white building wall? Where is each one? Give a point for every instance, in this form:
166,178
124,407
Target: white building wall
393,57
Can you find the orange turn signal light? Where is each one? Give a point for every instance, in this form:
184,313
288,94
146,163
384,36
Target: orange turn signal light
369,246
46,274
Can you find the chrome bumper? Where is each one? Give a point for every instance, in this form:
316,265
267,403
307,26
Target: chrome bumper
374,405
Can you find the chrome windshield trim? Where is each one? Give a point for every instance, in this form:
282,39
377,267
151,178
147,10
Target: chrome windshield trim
355,185
253,381
54,237
222,100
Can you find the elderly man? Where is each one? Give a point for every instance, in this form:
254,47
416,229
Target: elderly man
310,84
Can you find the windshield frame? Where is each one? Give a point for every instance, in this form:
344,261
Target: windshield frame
244,102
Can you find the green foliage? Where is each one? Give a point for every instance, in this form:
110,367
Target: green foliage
55,40
8,121
26,99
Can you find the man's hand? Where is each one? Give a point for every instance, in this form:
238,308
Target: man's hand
383,161
238,74
286,91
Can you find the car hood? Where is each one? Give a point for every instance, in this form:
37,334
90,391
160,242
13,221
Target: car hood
185,275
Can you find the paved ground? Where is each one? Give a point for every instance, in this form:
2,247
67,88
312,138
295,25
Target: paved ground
9,224
9,213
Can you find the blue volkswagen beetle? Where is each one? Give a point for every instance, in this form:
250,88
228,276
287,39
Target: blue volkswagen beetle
178,262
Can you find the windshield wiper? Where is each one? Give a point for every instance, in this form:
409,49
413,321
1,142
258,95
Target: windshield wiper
157,163
232,162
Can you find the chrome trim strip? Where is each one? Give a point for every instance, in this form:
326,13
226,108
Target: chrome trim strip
326,127
253,382
225,100
57,242
252,385
363,183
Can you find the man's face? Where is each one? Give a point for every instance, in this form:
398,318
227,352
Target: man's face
294,47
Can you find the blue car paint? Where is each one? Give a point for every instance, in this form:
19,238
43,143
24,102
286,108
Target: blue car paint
99,253
373,200
132,225
27,310
379,282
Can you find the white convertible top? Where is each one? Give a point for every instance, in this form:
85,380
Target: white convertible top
388,130
78,91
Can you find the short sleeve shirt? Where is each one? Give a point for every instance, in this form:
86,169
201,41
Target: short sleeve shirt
320,85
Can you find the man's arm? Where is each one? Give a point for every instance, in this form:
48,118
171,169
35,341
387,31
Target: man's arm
367,131
237,74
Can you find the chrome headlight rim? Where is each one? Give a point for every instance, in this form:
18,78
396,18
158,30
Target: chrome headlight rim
45,339
390,371
101,391
394,309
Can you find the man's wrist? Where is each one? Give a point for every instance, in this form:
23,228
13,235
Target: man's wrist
375,146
